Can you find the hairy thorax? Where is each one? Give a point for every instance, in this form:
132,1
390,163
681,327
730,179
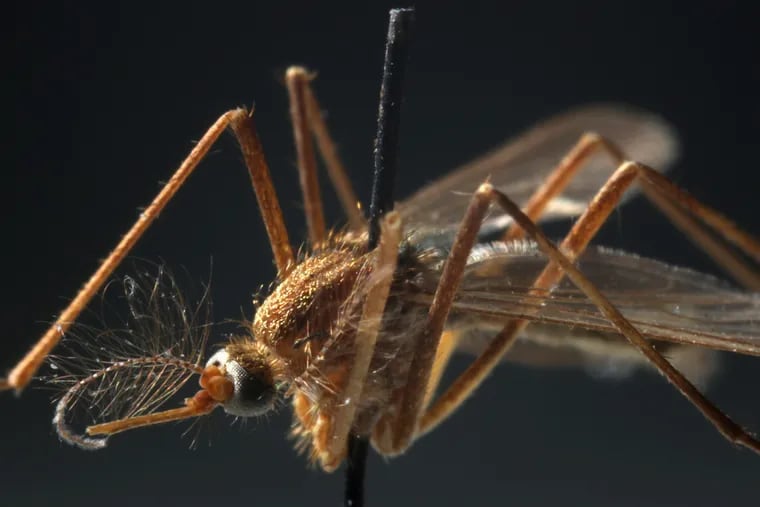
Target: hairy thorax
308,325
301,312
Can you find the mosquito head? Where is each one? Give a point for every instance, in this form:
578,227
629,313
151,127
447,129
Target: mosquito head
238,378
252,374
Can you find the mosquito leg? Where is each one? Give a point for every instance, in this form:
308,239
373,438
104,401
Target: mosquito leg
23,372
382,432
582,233
726,259
403,425
560,264
651,180
446,348
663,194
575,242
335,168
242,125
685,212
240,120
560,177
296,79
366,337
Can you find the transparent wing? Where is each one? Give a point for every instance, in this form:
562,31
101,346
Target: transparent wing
519,166
665,303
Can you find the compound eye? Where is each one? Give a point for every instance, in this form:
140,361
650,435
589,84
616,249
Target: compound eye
252,395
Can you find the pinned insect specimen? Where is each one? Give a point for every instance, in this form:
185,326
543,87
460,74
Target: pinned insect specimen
357,335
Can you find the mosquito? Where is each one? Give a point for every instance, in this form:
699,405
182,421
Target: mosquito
358,336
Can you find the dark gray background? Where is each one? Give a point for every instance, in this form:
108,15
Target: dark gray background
108,99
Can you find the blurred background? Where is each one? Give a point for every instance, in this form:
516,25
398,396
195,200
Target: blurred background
108,98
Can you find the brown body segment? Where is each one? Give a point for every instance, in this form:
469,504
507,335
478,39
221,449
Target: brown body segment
301,312
310,325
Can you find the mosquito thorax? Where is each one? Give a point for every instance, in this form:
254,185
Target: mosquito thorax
304,307
252,375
